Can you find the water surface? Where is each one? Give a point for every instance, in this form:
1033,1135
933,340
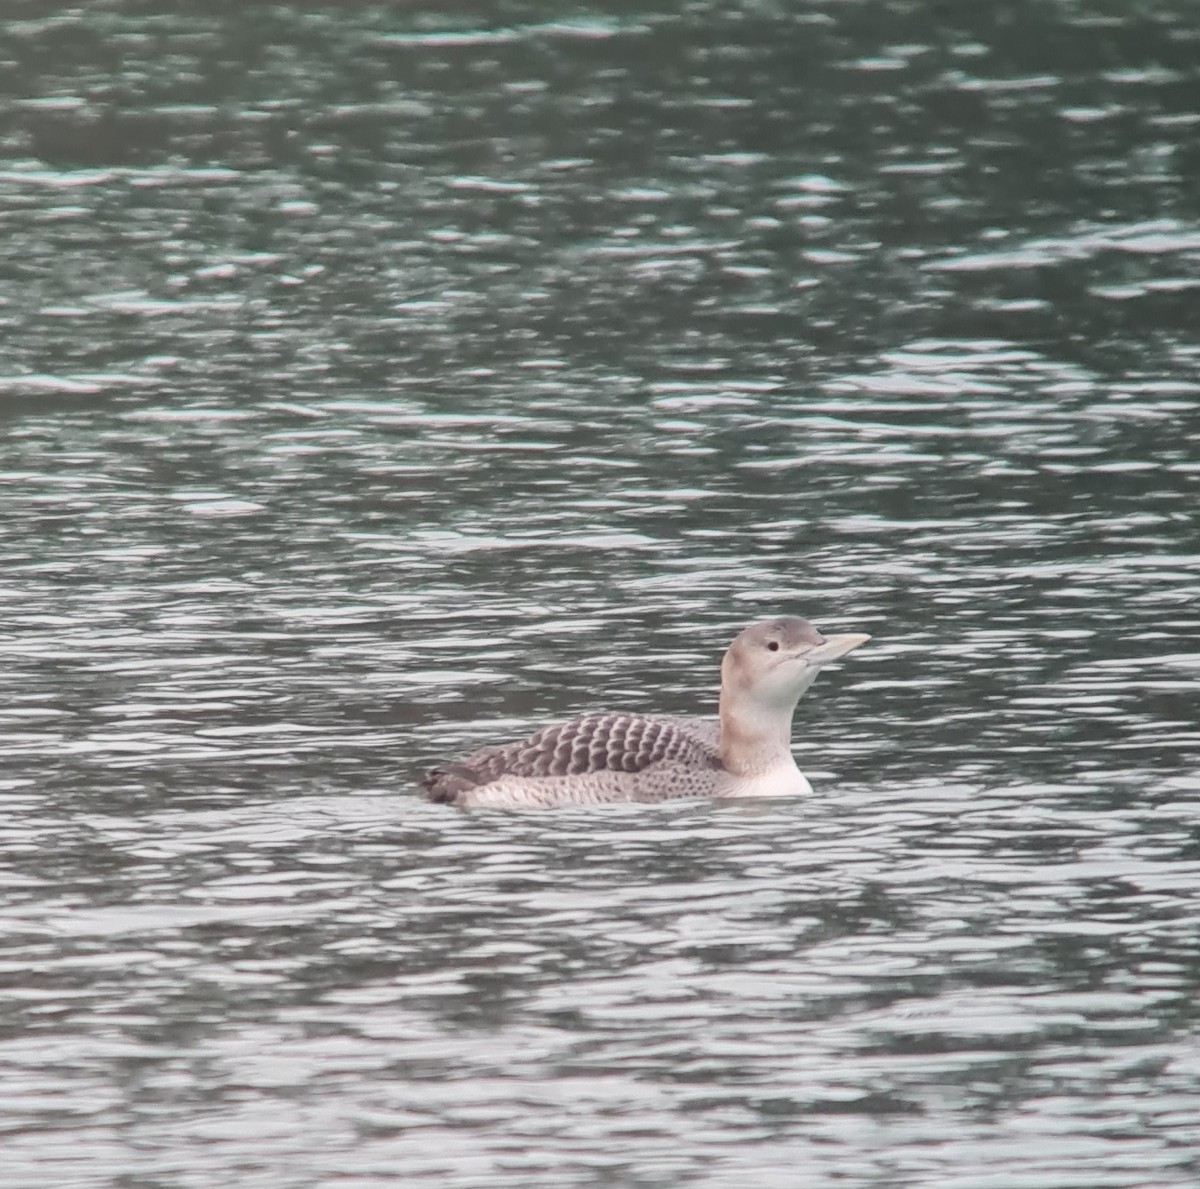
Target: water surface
376,382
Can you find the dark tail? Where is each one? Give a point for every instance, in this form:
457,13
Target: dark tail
445,785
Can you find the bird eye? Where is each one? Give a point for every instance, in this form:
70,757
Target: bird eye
773,645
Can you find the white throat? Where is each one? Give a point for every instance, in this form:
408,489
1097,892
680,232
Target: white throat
756,734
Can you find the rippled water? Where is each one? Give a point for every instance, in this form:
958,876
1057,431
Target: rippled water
380,381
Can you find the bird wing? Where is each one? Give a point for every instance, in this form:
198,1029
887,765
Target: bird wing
607,741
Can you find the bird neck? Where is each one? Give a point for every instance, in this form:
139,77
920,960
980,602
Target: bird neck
754,738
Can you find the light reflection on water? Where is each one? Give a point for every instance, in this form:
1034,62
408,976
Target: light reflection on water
369,412
361,979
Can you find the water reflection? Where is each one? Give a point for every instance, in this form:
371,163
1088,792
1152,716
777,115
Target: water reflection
379,382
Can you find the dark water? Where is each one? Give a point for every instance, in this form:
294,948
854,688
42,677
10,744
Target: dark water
381,380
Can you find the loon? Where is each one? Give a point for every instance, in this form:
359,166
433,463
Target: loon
624,756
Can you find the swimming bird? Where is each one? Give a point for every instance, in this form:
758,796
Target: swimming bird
623,756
